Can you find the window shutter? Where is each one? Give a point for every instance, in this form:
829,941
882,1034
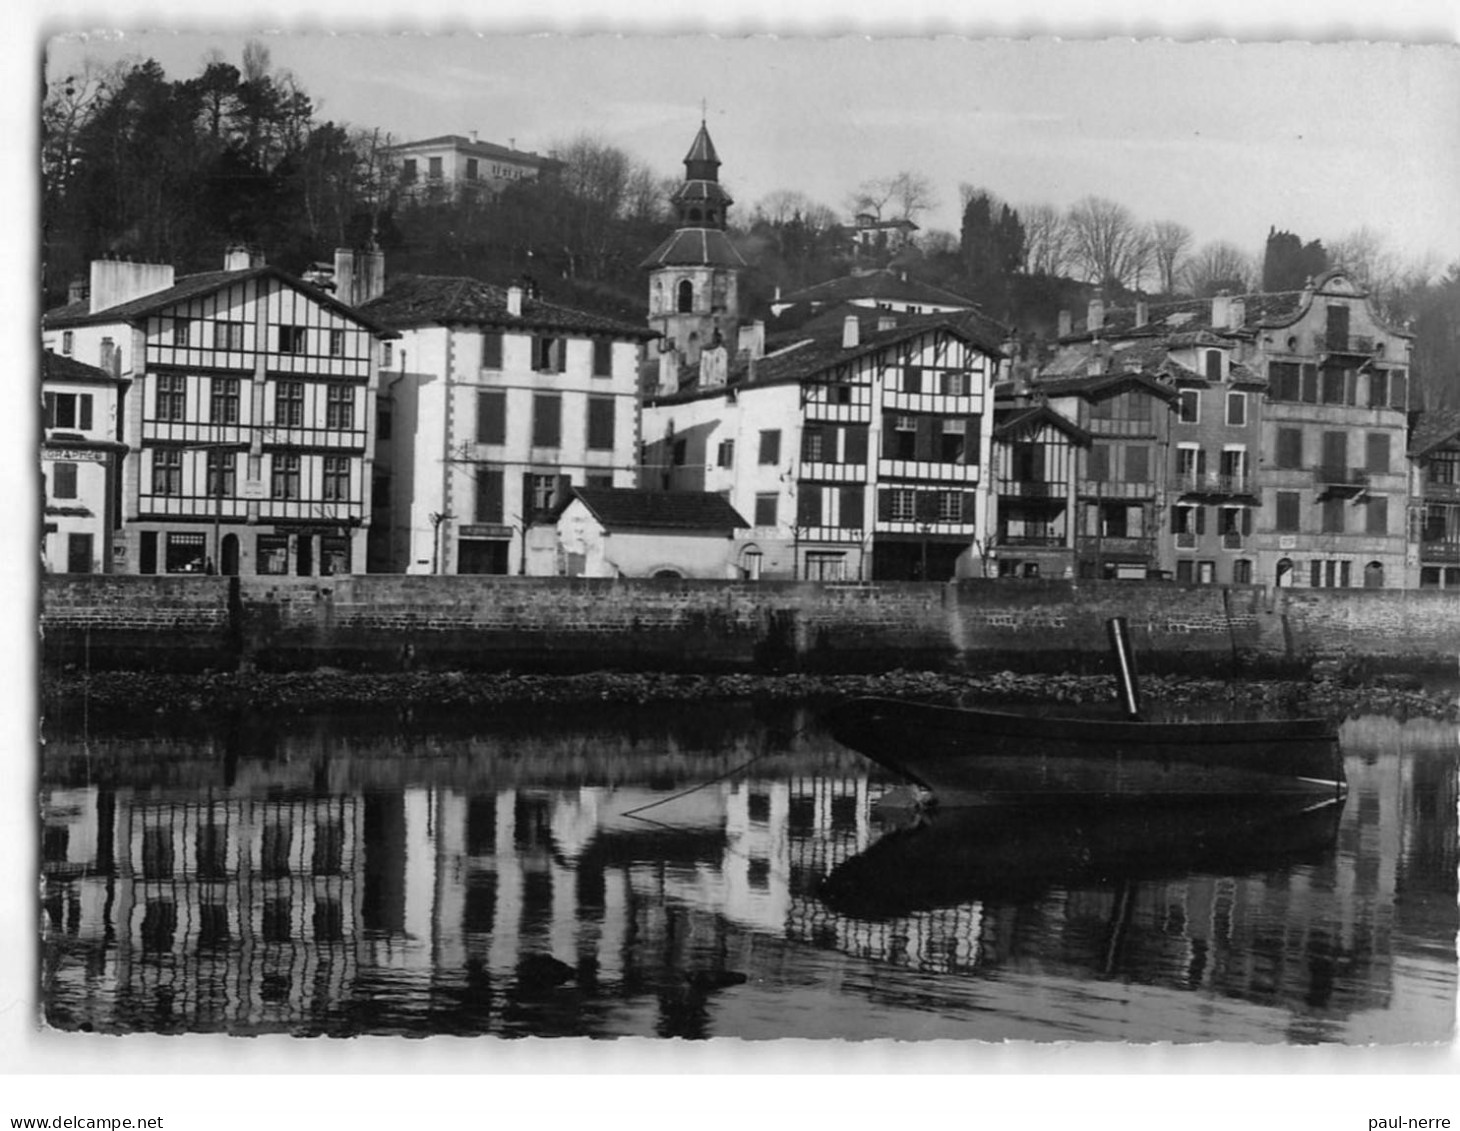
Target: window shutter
1378,453
489,495
1309,394
929,430
1100,462
529,507
492,349
1201,520
856,444
84,412
970,506
1246,521
884,506
492,417
563,490
853,502
602,358
808,505
972,438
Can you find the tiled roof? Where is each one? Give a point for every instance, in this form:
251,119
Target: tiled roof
618,507
195,286
474,148
59,367
695,247
414,300
884,284
980,329
1091,386
710,192
702,148
1434,427
1014,421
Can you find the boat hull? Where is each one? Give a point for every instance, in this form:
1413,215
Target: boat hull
976,757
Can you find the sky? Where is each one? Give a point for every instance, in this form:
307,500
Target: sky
1227,138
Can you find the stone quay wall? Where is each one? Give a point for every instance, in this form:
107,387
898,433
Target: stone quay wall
395,622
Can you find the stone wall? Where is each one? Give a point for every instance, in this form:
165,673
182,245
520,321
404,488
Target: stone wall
396,622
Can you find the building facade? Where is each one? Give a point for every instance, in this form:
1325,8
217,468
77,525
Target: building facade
1434,452
82,454
855,458
450,167
493,404
1036,460
250,415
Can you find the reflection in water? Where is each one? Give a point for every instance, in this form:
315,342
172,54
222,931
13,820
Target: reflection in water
569,879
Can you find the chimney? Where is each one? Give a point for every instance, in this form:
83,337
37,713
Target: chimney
778,293
108,354
115,281
851,332
668,373
237,258
1143,312
369,275
345,275
76,291
752,340
1221,309
1066,323
514,301
473,136
1236,313
1095,316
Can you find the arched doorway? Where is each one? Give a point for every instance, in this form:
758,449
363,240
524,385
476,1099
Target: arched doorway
1374,575
229,553
1284,573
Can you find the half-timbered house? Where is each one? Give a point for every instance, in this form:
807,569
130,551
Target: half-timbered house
250,416
856,455
1036,459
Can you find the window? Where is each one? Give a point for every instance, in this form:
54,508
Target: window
811,444
337,343
285,479
272,554
182,332
954,383
1333,385
950,506
950,441
686,297
808,505
172,396
167,471
68,342
548,355
547,420
488,502
854,444
765,509
600,424
408,170
1242,572
912,379
1376,518
1337,336
1376,449
770,447
1214,365
223,400
1289,453
433,168
289,404
1286,518
387,354
602,357
1236,410
471,168
1284,380
71,411
1137,464
222,474
292,339
1379,389
852,507
542,492
899,437
1189,411
1335,456
492,349
339,407
186,553
1333,515
492,417
228,335
63,480
1398,389
823,566
725,457
336,479
900,505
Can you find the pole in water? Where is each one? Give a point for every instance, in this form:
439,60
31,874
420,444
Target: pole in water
1125,667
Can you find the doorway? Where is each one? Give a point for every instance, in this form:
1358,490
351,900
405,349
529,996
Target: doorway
228,552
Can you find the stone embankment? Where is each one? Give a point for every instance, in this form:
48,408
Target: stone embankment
1333,692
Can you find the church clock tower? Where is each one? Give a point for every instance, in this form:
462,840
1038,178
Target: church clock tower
694,274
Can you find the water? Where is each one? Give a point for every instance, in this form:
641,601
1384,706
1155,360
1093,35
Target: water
625,873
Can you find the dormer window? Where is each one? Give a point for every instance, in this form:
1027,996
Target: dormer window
67,342
1214,365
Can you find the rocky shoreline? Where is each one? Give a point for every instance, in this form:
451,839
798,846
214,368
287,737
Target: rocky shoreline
136,695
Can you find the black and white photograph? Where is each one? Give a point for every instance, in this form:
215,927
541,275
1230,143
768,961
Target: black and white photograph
550,545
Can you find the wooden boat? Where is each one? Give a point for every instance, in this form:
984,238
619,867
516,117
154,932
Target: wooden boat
1013,854
971,756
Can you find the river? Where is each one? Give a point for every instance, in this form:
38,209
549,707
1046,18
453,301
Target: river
663,872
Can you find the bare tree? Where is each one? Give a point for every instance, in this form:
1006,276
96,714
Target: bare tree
902,196
1220,266
937,241
1169,241
1046,239
1366,255
1107,244
780,206
68,105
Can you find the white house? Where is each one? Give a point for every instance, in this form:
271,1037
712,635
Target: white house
443,168
493,403
81,462
612,532
250,416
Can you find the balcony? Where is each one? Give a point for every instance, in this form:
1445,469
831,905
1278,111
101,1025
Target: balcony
1185,540
1231,540
1212,483
1033,489
1116,544
1440,492
1115,491
1340,480
1352,345
1032,541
